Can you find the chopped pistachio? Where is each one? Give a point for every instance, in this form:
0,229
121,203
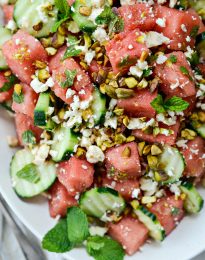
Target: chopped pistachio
140,39
81,153
113,83
111,75
135,204
7,73
126,152
188,134
183,196
18,89
46,42
58,40
201,116
86,114
101,76
102,88
99,56
85,10
38,27
143,84
120,138
141,146
155,150
40,64
131,82
110,91
157,176
61,114
51,51
148,199
95,45
130,138
43,75
156,131
106,60
62,30
146,149
12,141
152,161
125,120
73,27
144,56
123,93
119,111
84,65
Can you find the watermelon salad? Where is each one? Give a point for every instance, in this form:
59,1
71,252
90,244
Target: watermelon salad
108,99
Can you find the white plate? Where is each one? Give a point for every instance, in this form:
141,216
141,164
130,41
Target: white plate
184,243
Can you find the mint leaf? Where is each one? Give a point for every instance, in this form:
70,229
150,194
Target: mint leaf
8,85
185,71
72,40
176,104
71,52
77,224
194,31
70,76
18,98
29,173
28,137
173,58
57,24
194,60
104,248
158,104
147,72
175,211
63,6
56,240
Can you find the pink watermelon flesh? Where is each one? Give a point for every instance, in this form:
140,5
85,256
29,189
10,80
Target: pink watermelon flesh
56,61
8,12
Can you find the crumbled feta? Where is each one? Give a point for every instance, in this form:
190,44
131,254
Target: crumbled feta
89,55
85,142
167,121
50,111
183,27
39,87
161,22
100,35
56,119
172,3
154,39
112,104
175,189
136,123
161,2
70,92
161,59
182,143
11,25
95,154
148,186
95,13
188,39
135,193
40,154
127,2
53,153
98,231
110,120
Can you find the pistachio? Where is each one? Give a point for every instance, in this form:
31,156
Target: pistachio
40,64
80,153
38,27
87,40
157,176
120,139
122,175
140,39
146,149
86,114
141,146
99,56
100,62
95,45
43,75
84,65
123,93
126,152
152,161
156,131
46,42
61,113
188,134
155,150
7,73
183,196
102,88
125,120
106,60
73,27
12,141
111,75
85,10
101,76
144,56
119,111
58,40
110,91
142,84
18,89
147,130
130,138
201,116
51,51
148,199
62,30
113,83
135,204
131,82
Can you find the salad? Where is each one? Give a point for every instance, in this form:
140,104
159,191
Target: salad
109,105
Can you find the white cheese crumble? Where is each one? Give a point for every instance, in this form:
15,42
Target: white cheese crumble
98,231
161,59
95,154
135,193
148,186
11,25
175,189
100,35
89,55
182,143
161,22
40,154
110,120
127,2
183,27
154,39
70,92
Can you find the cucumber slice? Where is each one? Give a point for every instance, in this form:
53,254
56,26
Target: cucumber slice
171,162
156,231
5,35
98,201
64,142
199,6
25,188
98,106
83,22
35,17
200,44
193,202
199,128
40,112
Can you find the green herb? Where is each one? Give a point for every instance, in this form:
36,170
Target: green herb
64,14
185,72
71,52
29,173
175,211
107,17
147,72
28,137
183,4
174,104
11,80
173,58
18,98
194,31
57,24
72,40
56,240
194,60
70,76
104,248
126,61
158,104
77,224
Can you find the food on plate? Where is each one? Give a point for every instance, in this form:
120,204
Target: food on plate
108,99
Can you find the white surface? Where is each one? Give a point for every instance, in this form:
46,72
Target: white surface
184,243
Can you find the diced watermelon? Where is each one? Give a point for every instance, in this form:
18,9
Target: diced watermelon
56,60
81,82
123,50
139,15
124,187
8,12
21,52
120,166
60,200
129,232
179,26
169,212
24,123
76,175
192,102
139,105
177,78
195,17
160,138
4,96
193,155
28,105
201,68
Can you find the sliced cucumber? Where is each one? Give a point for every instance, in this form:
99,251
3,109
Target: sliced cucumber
98,106
41,112
5,35
199,128
200,44
193,202
156,231
199,6
25,188
98,201
36,17
83,22
171,162
65,141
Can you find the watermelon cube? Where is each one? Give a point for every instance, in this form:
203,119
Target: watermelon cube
60,200
139,104
169,212
56,60
4,96
8,12
25,123
194,157
201,68
122,166
160,138
177,78
76,175
29,102
129,232
21,52
123,50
